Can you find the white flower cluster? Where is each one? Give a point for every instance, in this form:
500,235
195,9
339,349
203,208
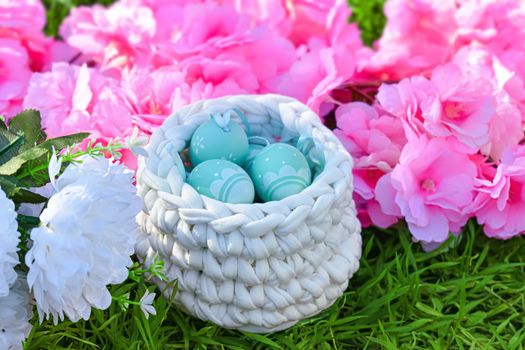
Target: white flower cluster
86,239
15,309
9,237
84,243
15,313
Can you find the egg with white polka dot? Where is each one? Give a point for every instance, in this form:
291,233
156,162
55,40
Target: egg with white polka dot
278,171
211,141
222,180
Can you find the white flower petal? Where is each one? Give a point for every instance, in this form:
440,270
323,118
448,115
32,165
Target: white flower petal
146,304
55,165
9,238
15,313
85,243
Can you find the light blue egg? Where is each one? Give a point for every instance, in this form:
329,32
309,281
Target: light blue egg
257,144
278,171
222,180
211,141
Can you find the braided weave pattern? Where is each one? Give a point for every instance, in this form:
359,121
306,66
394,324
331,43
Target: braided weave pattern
258,267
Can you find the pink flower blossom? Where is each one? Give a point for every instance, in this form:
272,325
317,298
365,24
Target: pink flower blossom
326,19
462,107
209,28
218,36
301,20
496,24
418,36
505,130
404,100
23,21
154,95
75,99
500,202
449,104
117,37
14,76
430,187
375,143
505,126
311,78
26,17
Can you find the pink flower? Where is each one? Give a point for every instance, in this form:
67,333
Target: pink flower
417,37
311,78
326,19
117,37
154,95
209,28
219,77
26,17
217,35
75,99
431,187
505,130
505,126
500,202
371,139
319,69
462,107
14,76
23,21
404,100
302,20
496,24
375,143
449,104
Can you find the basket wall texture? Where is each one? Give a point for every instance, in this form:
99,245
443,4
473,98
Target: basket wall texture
258,267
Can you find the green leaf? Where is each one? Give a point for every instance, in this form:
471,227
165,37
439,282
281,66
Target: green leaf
15,163
9,145
8,185
26,196
2,123
36,154
29,124
62,142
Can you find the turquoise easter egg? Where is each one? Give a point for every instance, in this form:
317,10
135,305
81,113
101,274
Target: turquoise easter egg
278,171
257,144
213,140
222,180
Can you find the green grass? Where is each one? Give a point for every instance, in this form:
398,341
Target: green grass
469,294
57,10
368,14
466,295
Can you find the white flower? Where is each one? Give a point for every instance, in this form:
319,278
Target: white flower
146,304
9,239
36,209
15,313
136,143
85,243
55,165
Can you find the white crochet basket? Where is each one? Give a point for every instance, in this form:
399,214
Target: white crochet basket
258,267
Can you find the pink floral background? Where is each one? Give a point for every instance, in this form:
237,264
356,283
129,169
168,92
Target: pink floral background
436,143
